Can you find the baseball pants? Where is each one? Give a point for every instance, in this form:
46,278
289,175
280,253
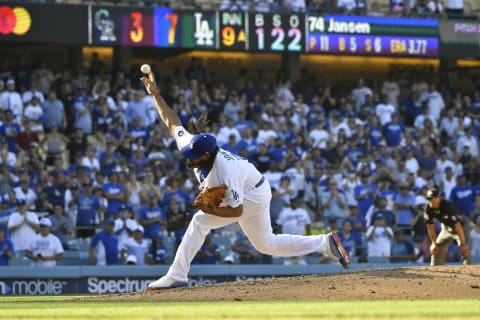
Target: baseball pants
444,240
255,223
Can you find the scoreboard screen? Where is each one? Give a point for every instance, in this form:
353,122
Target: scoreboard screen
230,31
277,32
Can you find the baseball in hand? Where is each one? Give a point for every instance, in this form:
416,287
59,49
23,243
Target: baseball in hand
145,68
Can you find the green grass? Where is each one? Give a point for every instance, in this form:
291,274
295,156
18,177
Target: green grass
42,307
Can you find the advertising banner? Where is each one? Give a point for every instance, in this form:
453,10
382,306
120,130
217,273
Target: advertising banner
100,284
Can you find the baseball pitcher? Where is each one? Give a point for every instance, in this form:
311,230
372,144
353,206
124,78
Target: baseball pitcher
245,199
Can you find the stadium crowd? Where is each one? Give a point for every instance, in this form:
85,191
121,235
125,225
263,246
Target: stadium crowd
83,157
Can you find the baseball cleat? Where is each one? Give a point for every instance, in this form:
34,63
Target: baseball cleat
337,250
165,283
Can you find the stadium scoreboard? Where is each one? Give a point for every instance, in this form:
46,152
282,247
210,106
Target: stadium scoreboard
221,30
271,32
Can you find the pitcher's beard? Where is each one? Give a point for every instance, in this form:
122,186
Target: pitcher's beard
207,164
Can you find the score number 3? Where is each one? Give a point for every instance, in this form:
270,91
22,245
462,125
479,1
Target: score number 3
136,35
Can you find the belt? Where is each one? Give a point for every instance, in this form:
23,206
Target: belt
260,182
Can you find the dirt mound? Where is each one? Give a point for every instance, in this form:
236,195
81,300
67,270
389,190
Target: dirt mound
393,283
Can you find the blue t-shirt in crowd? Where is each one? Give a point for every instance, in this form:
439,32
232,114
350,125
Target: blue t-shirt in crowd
10,129
463,198
139,132
147,213
139,164
366,202
3,258
110,243
388,194
114,189
87,209
393,133
428,163
277,154
55,195
405,215
375,135
108,166
352,242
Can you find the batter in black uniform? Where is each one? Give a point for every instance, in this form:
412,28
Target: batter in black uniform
451,222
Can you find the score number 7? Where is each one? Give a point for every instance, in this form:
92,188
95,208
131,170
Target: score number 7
173,18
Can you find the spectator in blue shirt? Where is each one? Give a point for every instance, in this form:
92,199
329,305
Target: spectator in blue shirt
394,131
352,241
138,159
364,193
231,145
462,195
106,244
158,252
138,129
427,160
353,151
152,217
374,131
381,207
10,130
5,211
404,206
242,123
6,249
277,151
109,159
402,250
114,192
56,191
177,193
88,206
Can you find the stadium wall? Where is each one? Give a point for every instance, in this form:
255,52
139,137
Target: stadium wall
123,279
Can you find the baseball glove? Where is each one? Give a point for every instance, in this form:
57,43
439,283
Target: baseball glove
210,196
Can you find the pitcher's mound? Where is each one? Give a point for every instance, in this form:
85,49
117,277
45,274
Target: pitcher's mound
440,282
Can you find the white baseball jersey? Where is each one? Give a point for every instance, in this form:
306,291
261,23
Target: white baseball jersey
229,169
244,187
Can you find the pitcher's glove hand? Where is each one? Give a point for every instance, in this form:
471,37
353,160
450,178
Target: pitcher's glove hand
210,196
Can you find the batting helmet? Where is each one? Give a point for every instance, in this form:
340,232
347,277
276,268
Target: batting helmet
432,193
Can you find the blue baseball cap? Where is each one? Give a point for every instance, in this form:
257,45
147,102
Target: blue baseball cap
200,145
